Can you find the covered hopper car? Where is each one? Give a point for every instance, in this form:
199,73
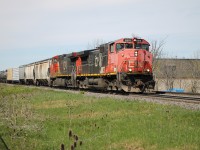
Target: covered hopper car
12,75
36,73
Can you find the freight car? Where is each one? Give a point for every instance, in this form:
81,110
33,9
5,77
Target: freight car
29,74
22,74
3,76
37,73
12,75
42,72
124,64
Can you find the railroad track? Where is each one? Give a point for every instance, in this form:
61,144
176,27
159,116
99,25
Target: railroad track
158,95
169,96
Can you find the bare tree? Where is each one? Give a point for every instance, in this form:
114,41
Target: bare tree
197,54
170,74
95,43
157,51
135,36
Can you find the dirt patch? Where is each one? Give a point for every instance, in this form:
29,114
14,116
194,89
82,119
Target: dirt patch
185,147
61,104
128,145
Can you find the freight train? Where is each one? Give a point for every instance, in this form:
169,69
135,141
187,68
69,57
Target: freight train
122,65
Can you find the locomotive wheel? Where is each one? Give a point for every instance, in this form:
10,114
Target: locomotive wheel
37,83
142,88
51,83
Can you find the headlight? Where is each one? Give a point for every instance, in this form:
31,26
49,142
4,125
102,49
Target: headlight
148,70
136,53
130,70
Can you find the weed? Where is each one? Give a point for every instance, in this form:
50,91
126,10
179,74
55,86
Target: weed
41,119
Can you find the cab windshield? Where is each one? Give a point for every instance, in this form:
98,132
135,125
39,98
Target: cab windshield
120,46
142,46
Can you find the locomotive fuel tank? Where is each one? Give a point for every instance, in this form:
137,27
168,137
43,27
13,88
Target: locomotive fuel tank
98,83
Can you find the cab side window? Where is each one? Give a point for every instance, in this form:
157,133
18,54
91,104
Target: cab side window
138,46
112,48
55,60
127,45
142,46
119,46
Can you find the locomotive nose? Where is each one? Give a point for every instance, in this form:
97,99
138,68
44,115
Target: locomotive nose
137,61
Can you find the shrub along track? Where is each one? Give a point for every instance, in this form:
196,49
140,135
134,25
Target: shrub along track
186,100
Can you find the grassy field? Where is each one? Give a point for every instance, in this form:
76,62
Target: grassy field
32,118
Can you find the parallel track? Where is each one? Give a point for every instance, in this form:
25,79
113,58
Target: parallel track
187,98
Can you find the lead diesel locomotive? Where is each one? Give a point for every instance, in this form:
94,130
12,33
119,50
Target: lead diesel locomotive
123,65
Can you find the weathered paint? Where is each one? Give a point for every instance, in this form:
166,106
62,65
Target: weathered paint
13,74
42,70
29,72
54,67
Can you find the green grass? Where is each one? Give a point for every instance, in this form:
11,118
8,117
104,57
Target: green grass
32,118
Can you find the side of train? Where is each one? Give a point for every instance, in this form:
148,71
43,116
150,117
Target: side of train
3,76
125,64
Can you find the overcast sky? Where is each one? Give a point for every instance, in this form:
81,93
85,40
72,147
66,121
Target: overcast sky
32,30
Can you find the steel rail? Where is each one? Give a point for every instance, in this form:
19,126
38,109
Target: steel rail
167,96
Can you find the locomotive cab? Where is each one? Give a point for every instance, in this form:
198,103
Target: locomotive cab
132,61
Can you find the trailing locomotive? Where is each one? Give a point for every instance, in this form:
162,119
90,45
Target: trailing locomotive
123,65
